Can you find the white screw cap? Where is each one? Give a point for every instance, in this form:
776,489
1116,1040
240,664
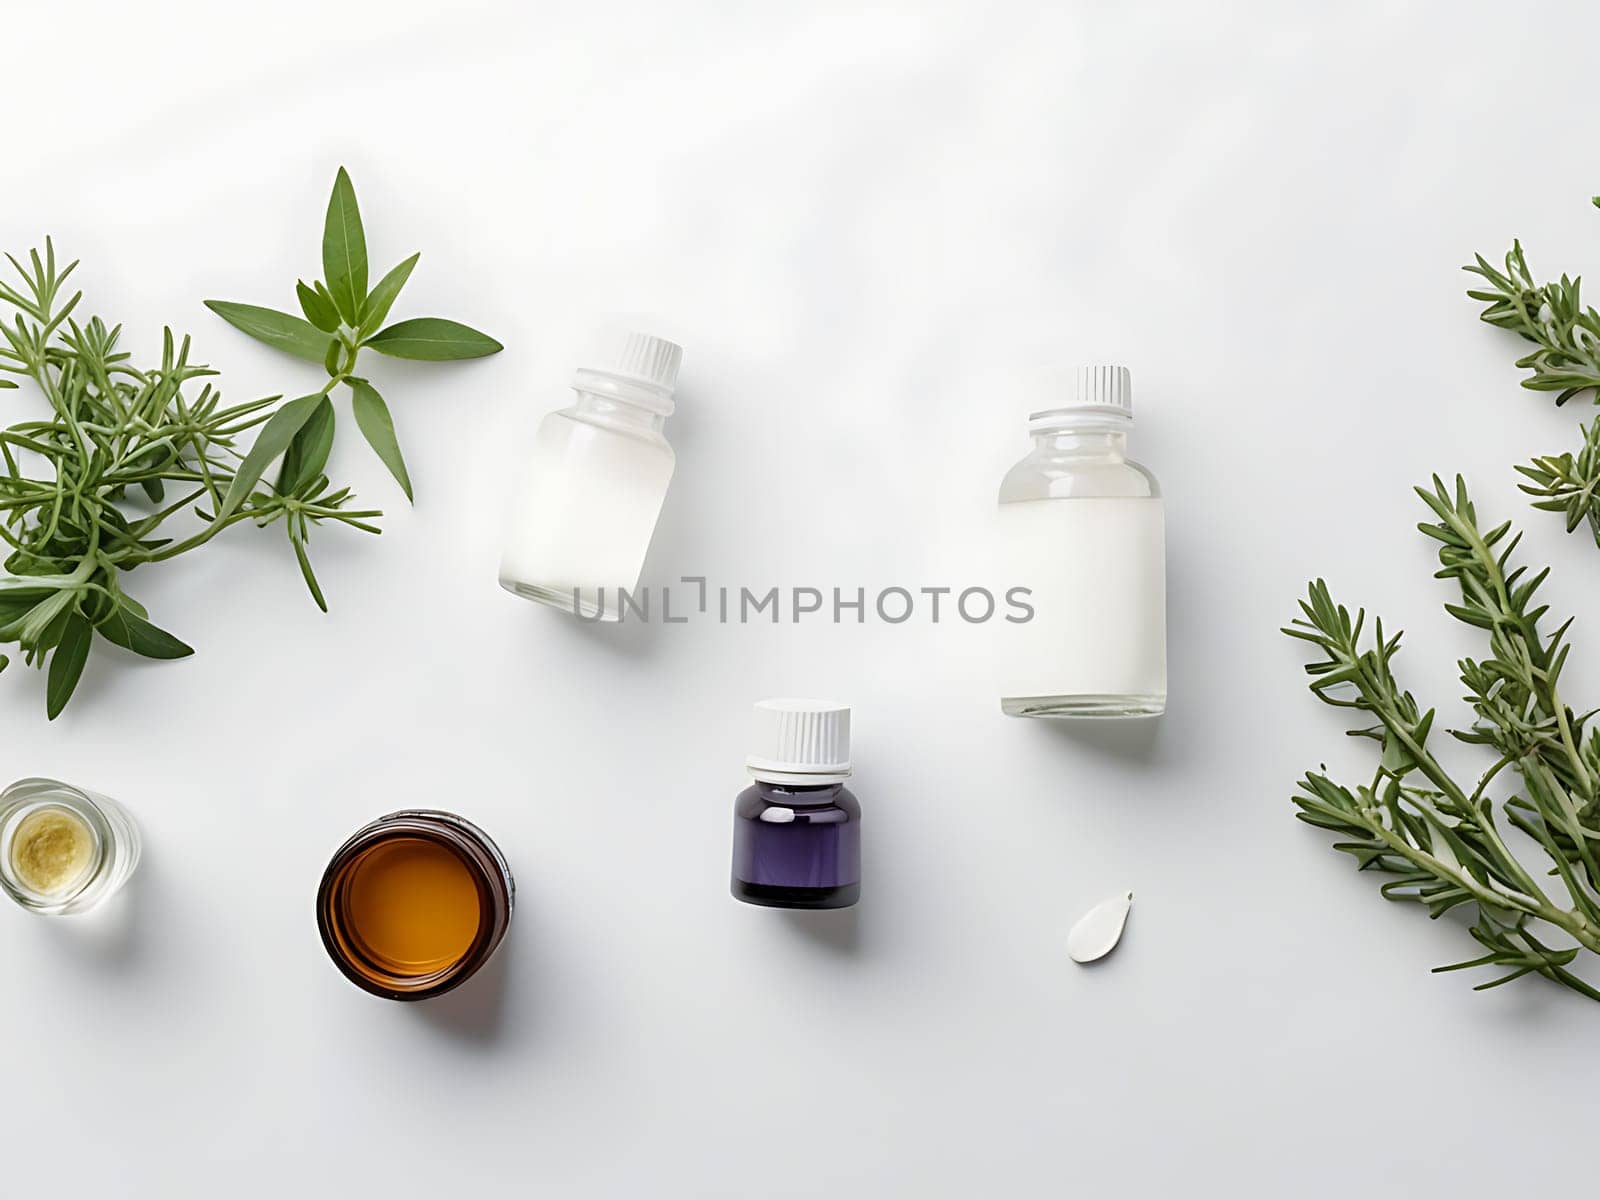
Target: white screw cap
800,741
640,357
1105,387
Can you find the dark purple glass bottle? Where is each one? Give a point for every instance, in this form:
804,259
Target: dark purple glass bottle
797,828
797,846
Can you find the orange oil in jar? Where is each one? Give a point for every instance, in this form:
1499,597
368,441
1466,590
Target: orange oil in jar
414,903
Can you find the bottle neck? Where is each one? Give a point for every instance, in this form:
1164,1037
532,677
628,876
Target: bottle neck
618,412
1078,441
799,795
799,781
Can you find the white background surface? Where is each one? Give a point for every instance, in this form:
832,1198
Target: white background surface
865,224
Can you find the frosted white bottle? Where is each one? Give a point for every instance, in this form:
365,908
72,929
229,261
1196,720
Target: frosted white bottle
580,528
1083,528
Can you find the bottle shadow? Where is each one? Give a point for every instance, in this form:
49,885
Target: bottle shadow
631,638
1127,739
476,1011
836,930
628,638
108,938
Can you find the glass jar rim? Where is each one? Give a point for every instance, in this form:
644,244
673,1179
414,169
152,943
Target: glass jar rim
26,796
475,850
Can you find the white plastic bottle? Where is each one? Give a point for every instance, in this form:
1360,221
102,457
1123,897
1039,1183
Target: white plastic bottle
599,473
1083,527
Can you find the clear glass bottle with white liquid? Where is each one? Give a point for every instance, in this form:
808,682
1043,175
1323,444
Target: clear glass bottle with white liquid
1083,527
598,476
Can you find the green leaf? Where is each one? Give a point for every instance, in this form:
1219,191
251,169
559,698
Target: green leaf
272,441
19,602
377,426
16,605
128,629
308,451
297,538
383,296
344,250
290,334
51,635
66,664
318,308
433,339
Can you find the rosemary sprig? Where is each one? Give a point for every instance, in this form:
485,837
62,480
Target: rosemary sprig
1566,360
84,492
1568,483
1442,843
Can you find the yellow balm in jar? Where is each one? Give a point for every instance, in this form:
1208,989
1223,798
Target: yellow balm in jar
63,849
51,850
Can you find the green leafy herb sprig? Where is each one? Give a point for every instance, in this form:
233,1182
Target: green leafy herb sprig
1566,360
87,492
342,317
1440,842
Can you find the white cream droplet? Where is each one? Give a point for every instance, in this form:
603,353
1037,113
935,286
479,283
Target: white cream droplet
1100,929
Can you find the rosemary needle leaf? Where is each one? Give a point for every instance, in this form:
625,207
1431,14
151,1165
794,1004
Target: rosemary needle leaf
297,536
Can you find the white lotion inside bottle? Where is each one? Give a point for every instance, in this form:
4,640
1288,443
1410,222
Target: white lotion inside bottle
596,482
1082,527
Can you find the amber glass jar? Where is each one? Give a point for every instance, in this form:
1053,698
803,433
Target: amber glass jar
414,903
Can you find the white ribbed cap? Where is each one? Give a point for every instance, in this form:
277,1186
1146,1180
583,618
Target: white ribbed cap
1105,387
800,741
641,357
1098,391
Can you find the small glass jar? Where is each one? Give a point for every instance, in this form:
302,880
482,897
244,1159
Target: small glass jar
63,849
414,903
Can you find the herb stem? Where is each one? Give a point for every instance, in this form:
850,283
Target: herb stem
1444,845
